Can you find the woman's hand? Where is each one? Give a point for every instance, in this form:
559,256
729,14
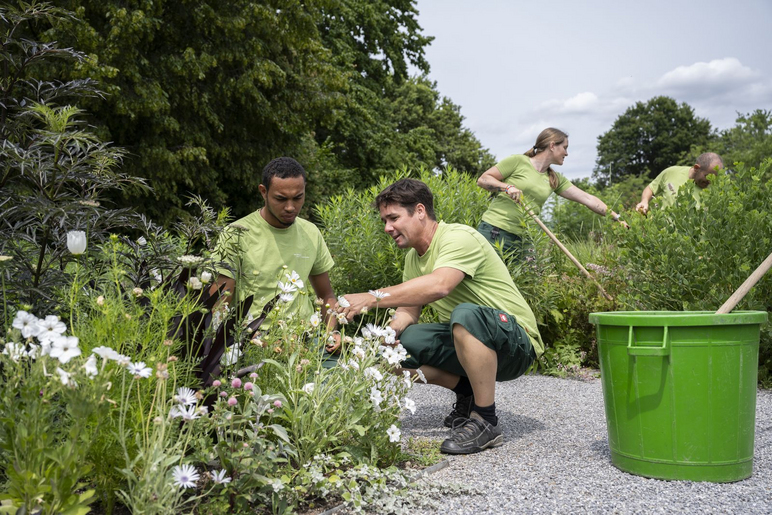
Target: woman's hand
514,193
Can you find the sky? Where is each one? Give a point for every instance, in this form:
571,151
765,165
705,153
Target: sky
516,67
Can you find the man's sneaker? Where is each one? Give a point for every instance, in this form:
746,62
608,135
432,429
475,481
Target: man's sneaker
461,410
473,435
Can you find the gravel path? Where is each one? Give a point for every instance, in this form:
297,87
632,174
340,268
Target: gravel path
555,458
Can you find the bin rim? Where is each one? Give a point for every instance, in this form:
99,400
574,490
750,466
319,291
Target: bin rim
676,318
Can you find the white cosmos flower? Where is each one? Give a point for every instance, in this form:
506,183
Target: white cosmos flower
91,366
65,377
294,278
185,476
64,348
106,353
139,369
378,294
185,396
409,405
50,327
343,302
27,323
220,478
286,298
376,397
394,433
76,242
195,283
308,388
315,319
287,287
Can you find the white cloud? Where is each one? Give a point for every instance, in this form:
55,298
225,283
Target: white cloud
719,74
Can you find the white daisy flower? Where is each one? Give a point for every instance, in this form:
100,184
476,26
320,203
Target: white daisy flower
185,396
185,476
294,278
286,287
64,348
27,323
220,478
342,320
286,298
378,294
315,319
394,433
139,369
186,412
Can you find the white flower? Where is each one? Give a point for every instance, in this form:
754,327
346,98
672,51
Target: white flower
308,388
373,373
406,377
409,405
141,241
389,335
376,397
420,374
277,485
342,302
185,476
286,298
65,377
91,366
15,351
231,356
189,260
156,275
186,412
206,277
27,323
342,320
76,242
123,360
294,278
106,353
220,478
50,327
378,294
185,396
353,364
139,369
64,348
359,352
286,287
394,433
195,283
315,319
372,331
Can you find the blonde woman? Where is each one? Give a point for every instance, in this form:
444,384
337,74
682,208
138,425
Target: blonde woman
530,177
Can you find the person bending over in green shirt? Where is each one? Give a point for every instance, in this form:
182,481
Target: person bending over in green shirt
487,332
269,244
665,187
529,177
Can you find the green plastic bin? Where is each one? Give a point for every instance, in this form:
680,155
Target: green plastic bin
679,390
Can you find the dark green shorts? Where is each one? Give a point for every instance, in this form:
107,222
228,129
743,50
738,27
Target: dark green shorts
513,247
432,344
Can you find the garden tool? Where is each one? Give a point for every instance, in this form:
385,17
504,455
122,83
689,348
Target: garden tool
738,295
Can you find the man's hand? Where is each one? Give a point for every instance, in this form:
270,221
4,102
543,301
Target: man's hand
642,208
333,346
356,303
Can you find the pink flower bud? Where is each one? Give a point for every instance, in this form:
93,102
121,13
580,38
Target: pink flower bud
270,410
248,386
223,394
277,404
236,383
232,401
216,383
253,375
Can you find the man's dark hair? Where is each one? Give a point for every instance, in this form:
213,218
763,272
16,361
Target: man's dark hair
283,168
407,193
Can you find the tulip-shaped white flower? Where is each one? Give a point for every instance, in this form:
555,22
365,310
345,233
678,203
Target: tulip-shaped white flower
76,242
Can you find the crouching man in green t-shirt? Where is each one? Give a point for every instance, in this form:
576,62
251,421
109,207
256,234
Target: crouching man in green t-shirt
487,331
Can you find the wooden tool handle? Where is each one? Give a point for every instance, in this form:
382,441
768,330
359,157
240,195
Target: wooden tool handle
749,283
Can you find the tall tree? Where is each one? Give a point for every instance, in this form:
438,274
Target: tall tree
648,138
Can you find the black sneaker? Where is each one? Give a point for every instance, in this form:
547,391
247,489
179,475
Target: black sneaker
473,435
461,410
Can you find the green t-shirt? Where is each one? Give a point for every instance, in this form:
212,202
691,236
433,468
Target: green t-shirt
518,171
487,281
665,187
264,251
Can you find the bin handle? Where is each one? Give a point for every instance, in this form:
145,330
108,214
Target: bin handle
634,350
